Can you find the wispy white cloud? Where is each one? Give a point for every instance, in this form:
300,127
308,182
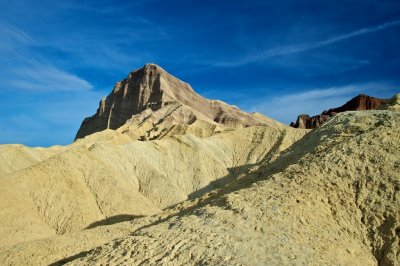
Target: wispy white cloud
47,78
285,50
22,70
287,107
47,103
12,34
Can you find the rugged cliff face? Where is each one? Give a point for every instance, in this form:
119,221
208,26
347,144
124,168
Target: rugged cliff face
306,121
152,88
358,103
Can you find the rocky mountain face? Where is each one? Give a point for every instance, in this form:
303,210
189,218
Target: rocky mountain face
358,103
152,88
161,175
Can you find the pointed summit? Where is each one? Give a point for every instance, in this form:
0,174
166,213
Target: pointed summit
152,88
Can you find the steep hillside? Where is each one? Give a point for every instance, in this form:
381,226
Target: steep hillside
332,198
336,203
110,177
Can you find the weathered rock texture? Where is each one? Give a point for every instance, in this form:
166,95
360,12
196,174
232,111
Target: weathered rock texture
14,157
358,103
109,176
332,198
152,88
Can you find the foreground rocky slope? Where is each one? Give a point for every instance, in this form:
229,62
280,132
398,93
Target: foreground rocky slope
332,198
109,177
358,103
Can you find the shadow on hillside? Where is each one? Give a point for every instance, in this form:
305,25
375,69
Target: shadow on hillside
69,259
234,173
113,220
243,176
107,221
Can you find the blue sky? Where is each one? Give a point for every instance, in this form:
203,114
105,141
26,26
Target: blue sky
280,58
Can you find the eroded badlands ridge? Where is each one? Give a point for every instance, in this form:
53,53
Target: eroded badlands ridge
332,198
112,177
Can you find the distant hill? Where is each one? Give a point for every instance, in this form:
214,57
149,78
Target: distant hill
358,103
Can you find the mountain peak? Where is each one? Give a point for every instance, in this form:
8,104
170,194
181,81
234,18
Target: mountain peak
152,66
147,68
151,87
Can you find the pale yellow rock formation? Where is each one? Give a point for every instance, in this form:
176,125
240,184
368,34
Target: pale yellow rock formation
14,157
332,198
108,175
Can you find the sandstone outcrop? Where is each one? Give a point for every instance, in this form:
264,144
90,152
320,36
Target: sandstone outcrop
358,103
151,88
